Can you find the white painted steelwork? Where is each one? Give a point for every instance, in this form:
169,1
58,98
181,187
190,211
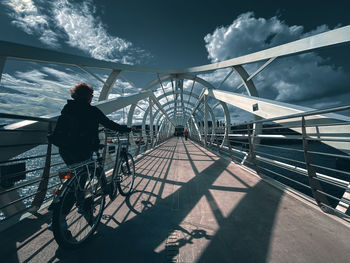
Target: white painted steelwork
327,127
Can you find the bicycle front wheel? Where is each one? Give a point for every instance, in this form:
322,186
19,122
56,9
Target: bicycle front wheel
79,211
126,176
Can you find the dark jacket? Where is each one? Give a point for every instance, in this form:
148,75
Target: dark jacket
77,127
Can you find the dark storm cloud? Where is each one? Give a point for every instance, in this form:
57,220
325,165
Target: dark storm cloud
292,79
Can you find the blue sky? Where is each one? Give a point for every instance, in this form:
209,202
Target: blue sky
172,34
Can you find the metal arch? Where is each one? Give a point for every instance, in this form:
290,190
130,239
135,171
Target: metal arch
227,118
228,122
257,72
161,85
181,76
191,104
151,119
171,102
169,93
129,122
23,52
196,127
160,117
163,118
251,89
107,87
249,84
209,109
187,111
155,115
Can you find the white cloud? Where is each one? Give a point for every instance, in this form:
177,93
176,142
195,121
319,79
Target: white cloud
53,22
31,20
86,31
44,90
291,79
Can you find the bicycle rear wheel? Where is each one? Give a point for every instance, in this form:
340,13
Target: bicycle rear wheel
75,222
126,174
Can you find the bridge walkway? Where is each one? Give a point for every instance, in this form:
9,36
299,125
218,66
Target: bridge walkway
190,205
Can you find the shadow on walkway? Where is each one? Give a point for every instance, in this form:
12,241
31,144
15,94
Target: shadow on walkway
242,236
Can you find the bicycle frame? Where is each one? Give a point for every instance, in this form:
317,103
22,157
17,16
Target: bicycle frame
89,167
122,150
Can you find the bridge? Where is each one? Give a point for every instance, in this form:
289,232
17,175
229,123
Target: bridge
273,189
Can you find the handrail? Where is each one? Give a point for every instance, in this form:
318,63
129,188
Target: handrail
296,115
25,117
306,152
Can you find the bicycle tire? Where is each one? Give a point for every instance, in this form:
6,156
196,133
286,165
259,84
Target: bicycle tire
74,230
126,175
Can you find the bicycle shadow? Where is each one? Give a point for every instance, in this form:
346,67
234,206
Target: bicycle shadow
143,201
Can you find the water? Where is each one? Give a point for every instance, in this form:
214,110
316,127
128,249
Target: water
36,163
297,159
262,150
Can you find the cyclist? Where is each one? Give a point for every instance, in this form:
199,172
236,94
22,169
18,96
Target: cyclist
186,134
76,133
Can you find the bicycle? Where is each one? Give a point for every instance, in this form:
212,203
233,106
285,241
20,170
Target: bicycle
80,200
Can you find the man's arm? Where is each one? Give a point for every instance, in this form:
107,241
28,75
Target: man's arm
103,119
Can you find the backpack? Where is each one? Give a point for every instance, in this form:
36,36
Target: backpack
66,132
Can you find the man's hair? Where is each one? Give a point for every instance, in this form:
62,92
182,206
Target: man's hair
82,92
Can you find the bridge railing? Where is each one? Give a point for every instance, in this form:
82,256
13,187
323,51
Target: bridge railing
27,180
302,151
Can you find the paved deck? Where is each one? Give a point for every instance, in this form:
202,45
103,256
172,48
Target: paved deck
192,206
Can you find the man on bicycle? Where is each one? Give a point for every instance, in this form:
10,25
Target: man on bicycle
76,133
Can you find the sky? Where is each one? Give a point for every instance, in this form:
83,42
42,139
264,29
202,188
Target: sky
172,35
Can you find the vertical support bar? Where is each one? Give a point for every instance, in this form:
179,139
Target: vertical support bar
230,147
252,154
42,189
151,121
205,120
314,183
159,131
129,123
217,143
213,127
195,125
139,145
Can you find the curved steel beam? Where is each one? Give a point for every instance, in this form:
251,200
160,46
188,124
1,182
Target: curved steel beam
190,110
248,84
181,76
23,52
107,86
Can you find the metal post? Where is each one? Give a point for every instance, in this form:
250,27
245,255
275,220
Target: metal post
314,183
139,145
42,189
196,127
252,154
229,143
151,121
205,121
